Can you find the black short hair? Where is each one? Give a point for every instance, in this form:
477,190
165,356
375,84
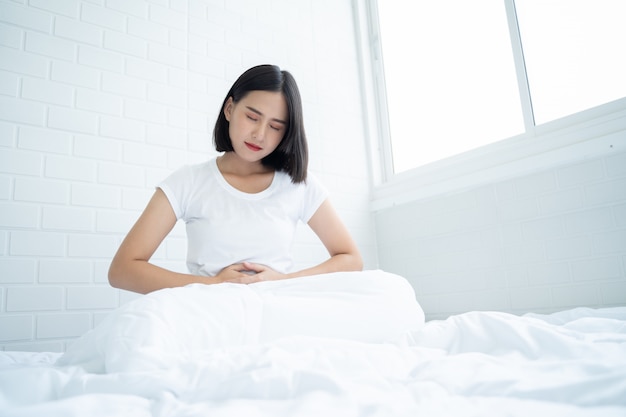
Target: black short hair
291,155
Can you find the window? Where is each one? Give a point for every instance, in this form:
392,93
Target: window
574,53
459,75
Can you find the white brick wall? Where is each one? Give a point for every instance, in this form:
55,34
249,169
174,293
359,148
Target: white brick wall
100,100
543,242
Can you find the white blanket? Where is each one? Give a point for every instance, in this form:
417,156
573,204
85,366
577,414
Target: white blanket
341,344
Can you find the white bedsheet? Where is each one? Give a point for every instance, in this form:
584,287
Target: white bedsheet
571,363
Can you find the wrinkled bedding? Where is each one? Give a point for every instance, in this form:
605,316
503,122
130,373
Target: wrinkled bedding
346,344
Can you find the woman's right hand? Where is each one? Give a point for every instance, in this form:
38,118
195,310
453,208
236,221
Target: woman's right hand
237,273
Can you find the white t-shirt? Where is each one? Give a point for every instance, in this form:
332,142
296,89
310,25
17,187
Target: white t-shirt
227,226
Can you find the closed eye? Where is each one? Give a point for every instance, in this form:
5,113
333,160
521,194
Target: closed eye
254,114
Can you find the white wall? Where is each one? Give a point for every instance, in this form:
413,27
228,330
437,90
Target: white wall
544,241
101,99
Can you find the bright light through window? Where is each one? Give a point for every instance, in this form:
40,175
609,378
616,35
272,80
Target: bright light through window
575,53
450,78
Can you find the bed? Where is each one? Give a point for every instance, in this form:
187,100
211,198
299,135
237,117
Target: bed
343,344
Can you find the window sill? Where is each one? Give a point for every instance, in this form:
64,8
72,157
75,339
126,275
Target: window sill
595,132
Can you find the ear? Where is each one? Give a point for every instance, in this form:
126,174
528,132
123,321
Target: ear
228,108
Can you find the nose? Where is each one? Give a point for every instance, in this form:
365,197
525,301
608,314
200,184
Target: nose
259,132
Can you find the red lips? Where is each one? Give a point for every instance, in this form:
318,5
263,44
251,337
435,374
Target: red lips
253,147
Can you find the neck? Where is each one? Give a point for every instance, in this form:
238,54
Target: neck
231,163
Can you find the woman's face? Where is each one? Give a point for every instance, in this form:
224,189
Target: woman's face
257,123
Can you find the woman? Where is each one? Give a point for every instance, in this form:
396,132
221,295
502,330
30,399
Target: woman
241,208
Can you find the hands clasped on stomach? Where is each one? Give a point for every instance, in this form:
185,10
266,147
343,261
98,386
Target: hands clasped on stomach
248,273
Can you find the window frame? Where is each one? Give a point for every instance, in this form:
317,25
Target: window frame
595,131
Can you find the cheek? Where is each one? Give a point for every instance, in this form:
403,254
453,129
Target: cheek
277,139
233,128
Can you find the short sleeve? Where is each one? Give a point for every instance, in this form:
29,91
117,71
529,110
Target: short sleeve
177,188
315,195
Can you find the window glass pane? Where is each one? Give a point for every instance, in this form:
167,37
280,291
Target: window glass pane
574,52
450,77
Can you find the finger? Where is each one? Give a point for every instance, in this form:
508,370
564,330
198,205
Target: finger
244,279
253,267
237,280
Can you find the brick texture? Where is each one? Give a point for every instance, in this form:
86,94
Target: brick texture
99,101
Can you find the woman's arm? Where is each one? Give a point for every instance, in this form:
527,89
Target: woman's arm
344,254
130,268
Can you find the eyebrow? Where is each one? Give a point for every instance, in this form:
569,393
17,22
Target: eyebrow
252,109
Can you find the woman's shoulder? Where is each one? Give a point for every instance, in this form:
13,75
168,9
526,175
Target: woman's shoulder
189,174
311,185
201,168
197,169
